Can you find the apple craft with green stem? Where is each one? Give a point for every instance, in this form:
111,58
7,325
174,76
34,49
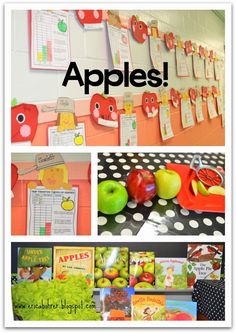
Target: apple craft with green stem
111,267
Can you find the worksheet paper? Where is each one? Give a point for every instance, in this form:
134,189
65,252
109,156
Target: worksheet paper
50,42
181,62
209,69
217,68
186,113
199,113
156,53
52,212
198,66
220,105
128,130
74,137
211,107
119,46
165,122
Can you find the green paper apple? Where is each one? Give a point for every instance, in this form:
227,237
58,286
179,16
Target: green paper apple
168,183
103,283
120,282
112,197
135,270
98,273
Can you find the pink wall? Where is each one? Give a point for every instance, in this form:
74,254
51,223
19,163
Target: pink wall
77,176
207,133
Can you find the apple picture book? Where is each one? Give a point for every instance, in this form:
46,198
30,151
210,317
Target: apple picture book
181,310
203,262
171,273
111,267
148,307
34,264
142,270
70,260
116,303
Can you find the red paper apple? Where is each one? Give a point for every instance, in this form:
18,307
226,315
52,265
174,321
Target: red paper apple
139,30
14,175
146,277
24,121
150,104
192,95
204,93
175,97
211,55
141,185
169,41
188,47
202,52
89,16
103,110
214,91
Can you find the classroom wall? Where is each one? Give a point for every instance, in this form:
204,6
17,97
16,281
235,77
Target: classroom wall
90,50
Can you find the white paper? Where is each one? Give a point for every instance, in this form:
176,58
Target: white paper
120,46
211,107
128,130
219,103
48,214
156,53
199,113
74,137
217,68
186,113
50,47
209,69
165,122
198,66
181,63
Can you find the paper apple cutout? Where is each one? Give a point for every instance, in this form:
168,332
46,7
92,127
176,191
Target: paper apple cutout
170,41
214,91
204,93
211,55
14,175
192,95
188,47
202,52
89,16
150,104
175,97
24,121
104,110
139,30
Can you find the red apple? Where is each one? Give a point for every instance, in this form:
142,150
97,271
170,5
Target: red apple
150,104
103,107
132,281
141,185
139,29
111,273
89,16
146,277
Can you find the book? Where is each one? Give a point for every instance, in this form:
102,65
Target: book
203,262
34,264
69,260
181,310
111,267
141,269
171,273
148,307
116,303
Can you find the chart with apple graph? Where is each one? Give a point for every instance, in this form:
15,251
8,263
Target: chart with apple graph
52,212
156,216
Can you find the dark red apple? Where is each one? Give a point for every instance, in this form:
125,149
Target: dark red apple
141,185
146,277
132,281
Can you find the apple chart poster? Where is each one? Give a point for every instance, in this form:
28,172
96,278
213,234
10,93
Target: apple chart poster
74,137
52,212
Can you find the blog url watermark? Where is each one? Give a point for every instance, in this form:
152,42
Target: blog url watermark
62,305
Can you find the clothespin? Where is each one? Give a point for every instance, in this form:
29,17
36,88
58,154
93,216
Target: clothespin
154,29
180,43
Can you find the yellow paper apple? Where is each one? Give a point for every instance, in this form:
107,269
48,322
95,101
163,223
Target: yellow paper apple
168,183
78,140
67,204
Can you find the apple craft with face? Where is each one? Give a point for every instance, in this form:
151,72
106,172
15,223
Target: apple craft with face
141,185
103,110
150,104
112,197
168,184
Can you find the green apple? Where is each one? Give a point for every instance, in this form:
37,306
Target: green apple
118,264
168,183
101,249
103,283
98,273
100,263
111,273
143,285
112,197
120,282
124,273
149,267
135,270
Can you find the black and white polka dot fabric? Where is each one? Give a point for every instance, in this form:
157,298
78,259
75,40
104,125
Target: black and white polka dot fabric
158,216
210,297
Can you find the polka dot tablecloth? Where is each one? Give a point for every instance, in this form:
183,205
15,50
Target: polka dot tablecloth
210,297
158,216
